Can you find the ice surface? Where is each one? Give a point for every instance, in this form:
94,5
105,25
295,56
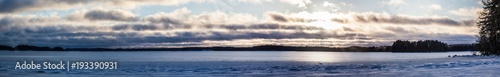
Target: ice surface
453,66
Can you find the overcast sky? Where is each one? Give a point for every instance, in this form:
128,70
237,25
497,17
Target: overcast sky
241,23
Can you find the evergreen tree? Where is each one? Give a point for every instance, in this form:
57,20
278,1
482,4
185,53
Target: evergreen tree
489,25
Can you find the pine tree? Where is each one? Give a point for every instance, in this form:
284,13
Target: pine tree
489,25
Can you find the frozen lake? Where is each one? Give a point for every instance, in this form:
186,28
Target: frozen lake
259,63
169,56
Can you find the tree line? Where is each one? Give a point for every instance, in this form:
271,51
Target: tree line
421,45
398,46
29,47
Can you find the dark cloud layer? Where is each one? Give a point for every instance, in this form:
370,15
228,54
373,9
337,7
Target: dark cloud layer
96,39
13,6
116,15
395,19
284,18
9,6
265,26
377,18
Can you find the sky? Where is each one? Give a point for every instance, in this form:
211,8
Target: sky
235,23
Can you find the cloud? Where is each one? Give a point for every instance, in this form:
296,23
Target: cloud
435,7
216,17
11,6
299,3
466,12
255,1
173,17
14,6
183,28
370,17
229,27
328,4
365,17
118,15
279,17
395,2
89,36
331,6
8,6
101,14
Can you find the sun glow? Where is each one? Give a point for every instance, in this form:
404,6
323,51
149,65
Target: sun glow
326,24
320,19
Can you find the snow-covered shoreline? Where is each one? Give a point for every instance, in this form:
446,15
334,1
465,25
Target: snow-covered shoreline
456,66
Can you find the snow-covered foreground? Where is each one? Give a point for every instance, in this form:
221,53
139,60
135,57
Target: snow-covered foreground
458,66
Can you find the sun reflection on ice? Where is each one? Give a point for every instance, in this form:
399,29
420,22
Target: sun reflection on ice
318,57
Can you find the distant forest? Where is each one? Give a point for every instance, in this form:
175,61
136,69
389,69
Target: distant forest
397,46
